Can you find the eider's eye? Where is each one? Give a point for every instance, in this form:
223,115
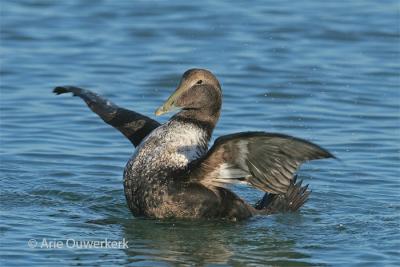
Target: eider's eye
199,82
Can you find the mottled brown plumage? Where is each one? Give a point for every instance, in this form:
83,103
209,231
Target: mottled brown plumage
173,174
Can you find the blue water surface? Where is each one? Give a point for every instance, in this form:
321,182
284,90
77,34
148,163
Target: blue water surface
325,71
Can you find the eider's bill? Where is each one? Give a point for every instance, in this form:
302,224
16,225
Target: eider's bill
169,105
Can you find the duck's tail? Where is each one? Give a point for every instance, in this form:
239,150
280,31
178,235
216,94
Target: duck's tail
291,201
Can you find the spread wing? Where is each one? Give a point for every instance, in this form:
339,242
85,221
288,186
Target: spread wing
267,161
131,124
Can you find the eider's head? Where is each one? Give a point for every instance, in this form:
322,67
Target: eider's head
198,96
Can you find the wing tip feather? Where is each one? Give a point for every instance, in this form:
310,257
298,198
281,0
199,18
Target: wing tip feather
67,89
60,90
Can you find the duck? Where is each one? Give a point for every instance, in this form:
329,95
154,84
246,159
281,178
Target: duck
173,173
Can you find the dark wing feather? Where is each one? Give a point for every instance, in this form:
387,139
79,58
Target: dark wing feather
131,124
294,198
267,161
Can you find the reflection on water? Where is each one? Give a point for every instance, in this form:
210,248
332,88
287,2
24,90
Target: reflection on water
327,72
194,242
177,242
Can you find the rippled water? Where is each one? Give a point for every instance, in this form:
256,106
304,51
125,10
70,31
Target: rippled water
327,72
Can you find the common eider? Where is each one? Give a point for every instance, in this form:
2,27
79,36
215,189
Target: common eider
173,174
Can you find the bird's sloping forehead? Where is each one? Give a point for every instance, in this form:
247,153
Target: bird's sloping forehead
197,72
193,74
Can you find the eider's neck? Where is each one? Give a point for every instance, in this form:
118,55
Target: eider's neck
200,118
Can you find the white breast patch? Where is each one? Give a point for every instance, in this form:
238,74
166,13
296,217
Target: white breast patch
173,144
